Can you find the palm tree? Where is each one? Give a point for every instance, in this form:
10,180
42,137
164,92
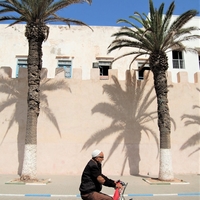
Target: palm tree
158,35
36,14
128,111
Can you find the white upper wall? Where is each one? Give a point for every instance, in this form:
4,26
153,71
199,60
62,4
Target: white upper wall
191,59
84,47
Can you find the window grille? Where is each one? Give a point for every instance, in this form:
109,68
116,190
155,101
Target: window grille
141,71
178,64
67,65
22,62
104,66
178,61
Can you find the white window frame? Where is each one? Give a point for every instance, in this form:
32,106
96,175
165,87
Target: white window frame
178,63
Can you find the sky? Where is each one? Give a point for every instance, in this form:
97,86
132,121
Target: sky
107,12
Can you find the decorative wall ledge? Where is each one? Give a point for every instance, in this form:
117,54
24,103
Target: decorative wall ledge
6,72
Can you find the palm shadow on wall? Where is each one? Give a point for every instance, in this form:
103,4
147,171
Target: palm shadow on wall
195,139
16,90
128,111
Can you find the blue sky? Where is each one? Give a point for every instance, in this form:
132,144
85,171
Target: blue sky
107,12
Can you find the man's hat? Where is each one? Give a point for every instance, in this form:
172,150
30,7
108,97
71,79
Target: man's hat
95,153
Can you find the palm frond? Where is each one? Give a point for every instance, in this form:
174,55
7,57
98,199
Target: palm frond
167,17
128,23
137,56
38,11
8,8
52,8
189,37
158,34
175,46
139,18
120,43
67,21
17,21
183,19
151,10
5,10
138,35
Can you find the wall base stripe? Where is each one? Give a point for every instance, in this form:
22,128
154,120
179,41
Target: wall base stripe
78,195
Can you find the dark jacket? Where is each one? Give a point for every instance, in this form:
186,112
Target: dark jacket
89,182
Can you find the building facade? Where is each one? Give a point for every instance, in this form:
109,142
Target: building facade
81,48
87,104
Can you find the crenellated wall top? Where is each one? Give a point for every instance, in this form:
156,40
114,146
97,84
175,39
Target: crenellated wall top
6,72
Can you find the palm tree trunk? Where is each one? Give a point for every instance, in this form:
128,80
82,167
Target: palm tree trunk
159,66
35,38
29,168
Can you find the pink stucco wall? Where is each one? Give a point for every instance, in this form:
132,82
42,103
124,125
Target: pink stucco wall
83,117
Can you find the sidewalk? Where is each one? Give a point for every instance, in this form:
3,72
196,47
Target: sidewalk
67,187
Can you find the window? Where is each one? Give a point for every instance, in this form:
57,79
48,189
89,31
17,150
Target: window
67,65
103,66
21,62
178,62
141,71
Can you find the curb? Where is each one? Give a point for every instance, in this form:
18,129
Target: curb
40,182
150,182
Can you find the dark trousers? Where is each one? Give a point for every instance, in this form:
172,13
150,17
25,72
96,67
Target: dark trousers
96,196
